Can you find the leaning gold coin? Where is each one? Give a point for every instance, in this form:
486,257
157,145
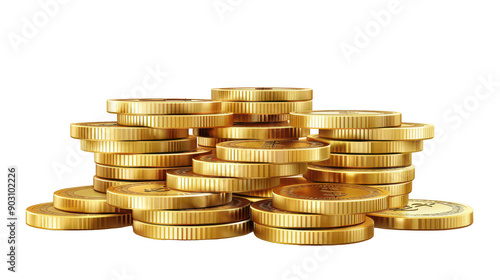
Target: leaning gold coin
113,131
83,200
153,106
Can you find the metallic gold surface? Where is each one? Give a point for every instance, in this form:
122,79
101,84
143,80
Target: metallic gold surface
197,232
265,107
248,197
236,210
370,147
265,214
285,181
367,160
396,189
156,195
326,236
212,142
280,151
113,131
330,199
264,131
252,118
210,165
344,119
177,121
407,131
102,184
423,214
153,106
211,149
132,173
83,200
149,160
262,94
184,179
140,147
398,201
45,216
360,176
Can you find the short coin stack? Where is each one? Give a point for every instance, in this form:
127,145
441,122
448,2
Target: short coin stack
367,147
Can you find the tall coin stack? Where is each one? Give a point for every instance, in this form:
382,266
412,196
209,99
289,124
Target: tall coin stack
367,148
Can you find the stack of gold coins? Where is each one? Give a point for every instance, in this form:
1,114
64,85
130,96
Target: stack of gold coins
367,147
259,114
318,214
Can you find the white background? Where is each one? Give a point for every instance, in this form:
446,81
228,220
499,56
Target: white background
427,60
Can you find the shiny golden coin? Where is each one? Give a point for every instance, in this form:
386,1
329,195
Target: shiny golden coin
131,173
265,131
329,199
177,121
360,176
265,214
274,107
367,160
113,131
83,200
149,160
211,149
210,165
211,142
154,106
196,232
248,197
45,216
407,131
285,181
184,179
260,118
370,147
140,147
156,195
344,119
396,189
102,184
262,94
325,236
278,151
423,214
236,210
398,201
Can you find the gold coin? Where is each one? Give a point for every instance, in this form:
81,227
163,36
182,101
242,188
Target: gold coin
262,94
156,195
396,189
265,131
330,199
212,142
423,214
132,173
210,165
260,118
102,184
360,176
83,200
325,236
149,160
265,214
398,201
45,216
236,210
177,121
184,179
285,181
407,131
113,131
248,197
344,119
211,149
196,232
278,151
266,107
140,147
367,160
370,147
154,106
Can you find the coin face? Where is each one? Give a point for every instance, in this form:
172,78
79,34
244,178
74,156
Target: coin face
151,189
273,144
426,208
86,192
328,191
262,94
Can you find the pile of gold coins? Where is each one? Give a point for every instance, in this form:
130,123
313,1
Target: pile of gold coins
242,171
